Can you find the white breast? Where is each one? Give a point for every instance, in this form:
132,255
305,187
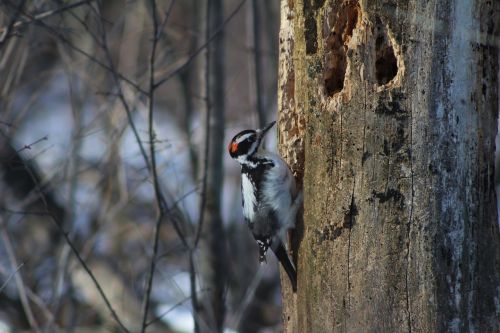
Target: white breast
249,199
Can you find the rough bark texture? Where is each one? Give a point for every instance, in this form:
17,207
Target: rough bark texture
396,103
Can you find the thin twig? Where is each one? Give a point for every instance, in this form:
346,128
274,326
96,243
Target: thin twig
131,120
173,307
165,19
48,13
66,41
90,274
17,277
31,294
248,297
202,47
116,77
75,251
5,32
158,193
257,58
28,147
154,320
194,295
11,276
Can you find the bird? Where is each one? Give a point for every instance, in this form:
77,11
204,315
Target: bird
270,197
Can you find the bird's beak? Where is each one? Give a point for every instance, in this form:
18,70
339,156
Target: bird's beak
264,130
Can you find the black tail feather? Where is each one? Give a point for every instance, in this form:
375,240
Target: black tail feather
283,258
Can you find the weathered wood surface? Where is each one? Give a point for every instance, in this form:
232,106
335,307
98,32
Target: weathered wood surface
388,110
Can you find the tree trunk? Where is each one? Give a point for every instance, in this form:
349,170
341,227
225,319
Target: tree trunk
389,110
213,245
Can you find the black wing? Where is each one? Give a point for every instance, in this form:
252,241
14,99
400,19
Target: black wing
287,264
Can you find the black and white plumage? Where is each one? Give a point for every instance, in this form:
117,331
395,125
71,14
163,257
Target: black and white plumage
269,194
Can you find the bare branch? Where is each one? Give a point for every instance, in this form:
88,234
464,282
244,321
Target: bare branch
202,47
75,251
41,16
257,58
19,281
66,41
45,138
160,200
11,276
5,32
176,305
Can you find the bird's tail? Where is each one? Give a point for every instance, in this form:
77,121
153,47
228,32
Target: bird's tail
287,264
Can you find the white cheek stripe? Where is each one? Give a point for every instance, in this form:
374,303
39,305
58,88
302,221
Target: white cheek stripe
243,137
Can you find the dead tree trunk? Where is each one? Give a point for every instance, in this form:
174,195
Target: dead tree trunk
389,109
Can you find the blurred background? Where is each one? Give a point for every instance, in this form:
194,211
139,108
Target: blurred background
88,90
96,235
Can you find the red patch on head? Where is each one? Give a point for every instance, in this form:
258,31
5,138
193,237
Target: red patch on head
233,147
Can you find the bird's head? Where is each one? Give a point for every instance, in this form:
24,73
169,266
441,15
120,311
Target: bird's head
247,142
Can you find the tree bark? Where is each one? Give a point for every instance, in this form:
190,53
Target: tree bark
389,110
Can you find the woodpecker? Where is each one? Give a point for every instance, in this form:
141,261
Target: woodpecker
269,195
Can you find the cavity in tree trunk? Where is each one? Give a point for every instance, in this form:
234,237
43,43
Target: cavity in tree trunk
389,112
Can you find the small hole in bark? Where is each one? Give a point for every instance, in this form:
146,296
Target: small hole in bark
386,65
338,28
